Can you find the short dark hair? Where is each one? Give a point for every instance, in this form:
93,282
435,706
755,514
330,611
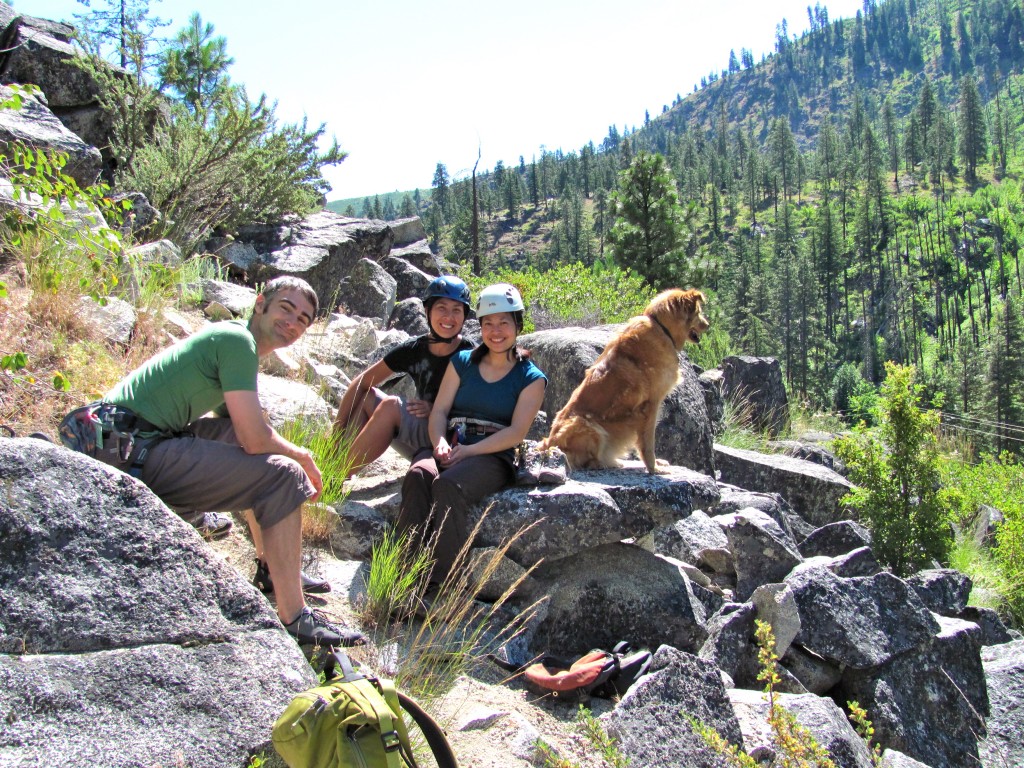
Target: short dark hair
285,282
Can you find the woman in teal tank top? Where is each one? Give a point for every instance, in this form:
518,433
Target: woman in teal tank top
486,404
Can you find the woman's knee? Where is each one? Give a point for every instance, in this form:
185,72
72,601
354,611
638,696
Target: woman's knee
446,491
382,406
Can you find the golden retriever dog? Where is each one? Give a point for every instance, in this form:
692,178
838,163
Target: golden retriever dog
616,405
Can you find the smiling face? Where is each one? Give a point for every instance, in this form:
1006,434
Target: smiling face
281,320
499,331
447,317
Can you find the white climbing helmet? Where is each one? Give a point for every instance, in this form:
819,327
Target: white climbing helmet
500,297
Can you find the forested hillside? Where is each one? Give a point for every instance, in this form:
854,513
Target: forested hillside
853,198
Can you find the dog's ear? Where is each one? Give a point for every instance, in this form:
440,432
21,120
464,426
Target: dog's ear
689,301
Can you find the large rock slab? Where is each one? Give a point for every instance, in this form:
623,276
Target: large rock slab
755,385
321,248
943,590
285,401
368,291
612,593
121,632
407,231
684,435
595,507
762,552
1004,676
34,125
651,722
859,622
813,490
697,540
930,703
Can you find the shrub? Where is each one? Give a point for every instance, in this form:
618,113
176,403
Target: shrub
852,397
794,745
998,482
573,294
241,168
899,494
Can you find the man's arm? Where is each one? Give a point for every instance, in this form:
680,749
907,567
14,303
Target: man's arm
256,436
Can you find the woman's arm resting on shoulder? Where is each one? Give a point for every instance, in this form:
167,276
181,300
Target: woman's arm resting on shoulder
257,437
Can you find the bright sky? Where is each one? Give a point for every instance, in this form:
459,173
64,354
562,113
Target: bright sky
406,84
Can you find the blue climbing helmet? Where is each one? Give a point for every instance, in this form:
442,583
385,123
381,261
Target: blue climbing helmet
446,287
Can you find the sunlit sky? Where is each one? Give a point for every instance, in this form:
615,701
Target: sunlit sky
405,85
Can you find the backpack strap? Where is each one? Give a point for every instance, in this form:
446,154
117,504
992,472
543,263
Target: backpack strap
431,731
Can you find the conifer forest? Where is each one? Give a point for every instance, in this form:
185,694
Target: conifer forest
854,198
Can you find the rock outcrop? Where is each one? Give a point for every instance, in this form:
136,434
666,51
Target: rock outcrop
121,631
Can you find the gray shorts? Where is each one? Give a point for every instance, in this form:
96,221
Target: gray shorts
209,472
413,435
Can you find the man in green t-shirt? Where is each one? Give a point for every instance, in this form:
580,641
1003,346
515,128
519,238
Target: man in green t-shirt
234,460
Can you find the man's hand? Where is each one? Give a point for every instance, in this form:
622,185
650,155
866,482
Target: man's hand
308,464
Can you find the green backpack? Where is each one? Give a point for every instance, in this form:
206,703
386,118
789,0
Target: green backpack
354,721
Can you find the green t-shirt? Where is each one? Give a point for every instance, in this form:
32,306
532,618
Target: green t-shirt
189,379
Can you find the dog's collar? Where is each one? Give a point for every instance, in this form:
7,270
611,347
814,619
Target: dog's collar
666,330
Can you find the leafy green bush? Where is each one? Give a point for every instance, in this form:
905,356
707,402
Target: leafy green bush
997,482
899,494
573,294
242,168
852,397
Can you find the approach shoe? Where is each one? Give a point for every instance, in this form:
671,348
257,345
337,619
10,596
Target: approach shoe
312,627
210,525
310,585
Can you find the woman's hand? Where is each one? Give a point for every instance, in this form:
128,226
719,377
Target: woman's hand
418,408
450,455
442,451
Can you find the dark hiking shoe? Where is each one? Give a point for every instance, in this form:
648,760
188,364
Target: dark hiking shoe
211,525
310,585
313,628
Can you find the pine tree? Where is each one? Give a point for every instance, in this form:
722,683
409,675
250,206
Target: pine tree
439,194
899,494
973,142
126,24
648,232
1005,376
195,67
408,208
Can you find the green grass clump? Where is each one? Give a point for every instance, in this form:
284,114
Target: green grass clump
397,570
456,630
331,455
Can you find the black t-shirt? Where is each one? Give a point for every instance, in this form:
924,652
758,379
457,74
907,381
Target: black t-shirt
414,358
